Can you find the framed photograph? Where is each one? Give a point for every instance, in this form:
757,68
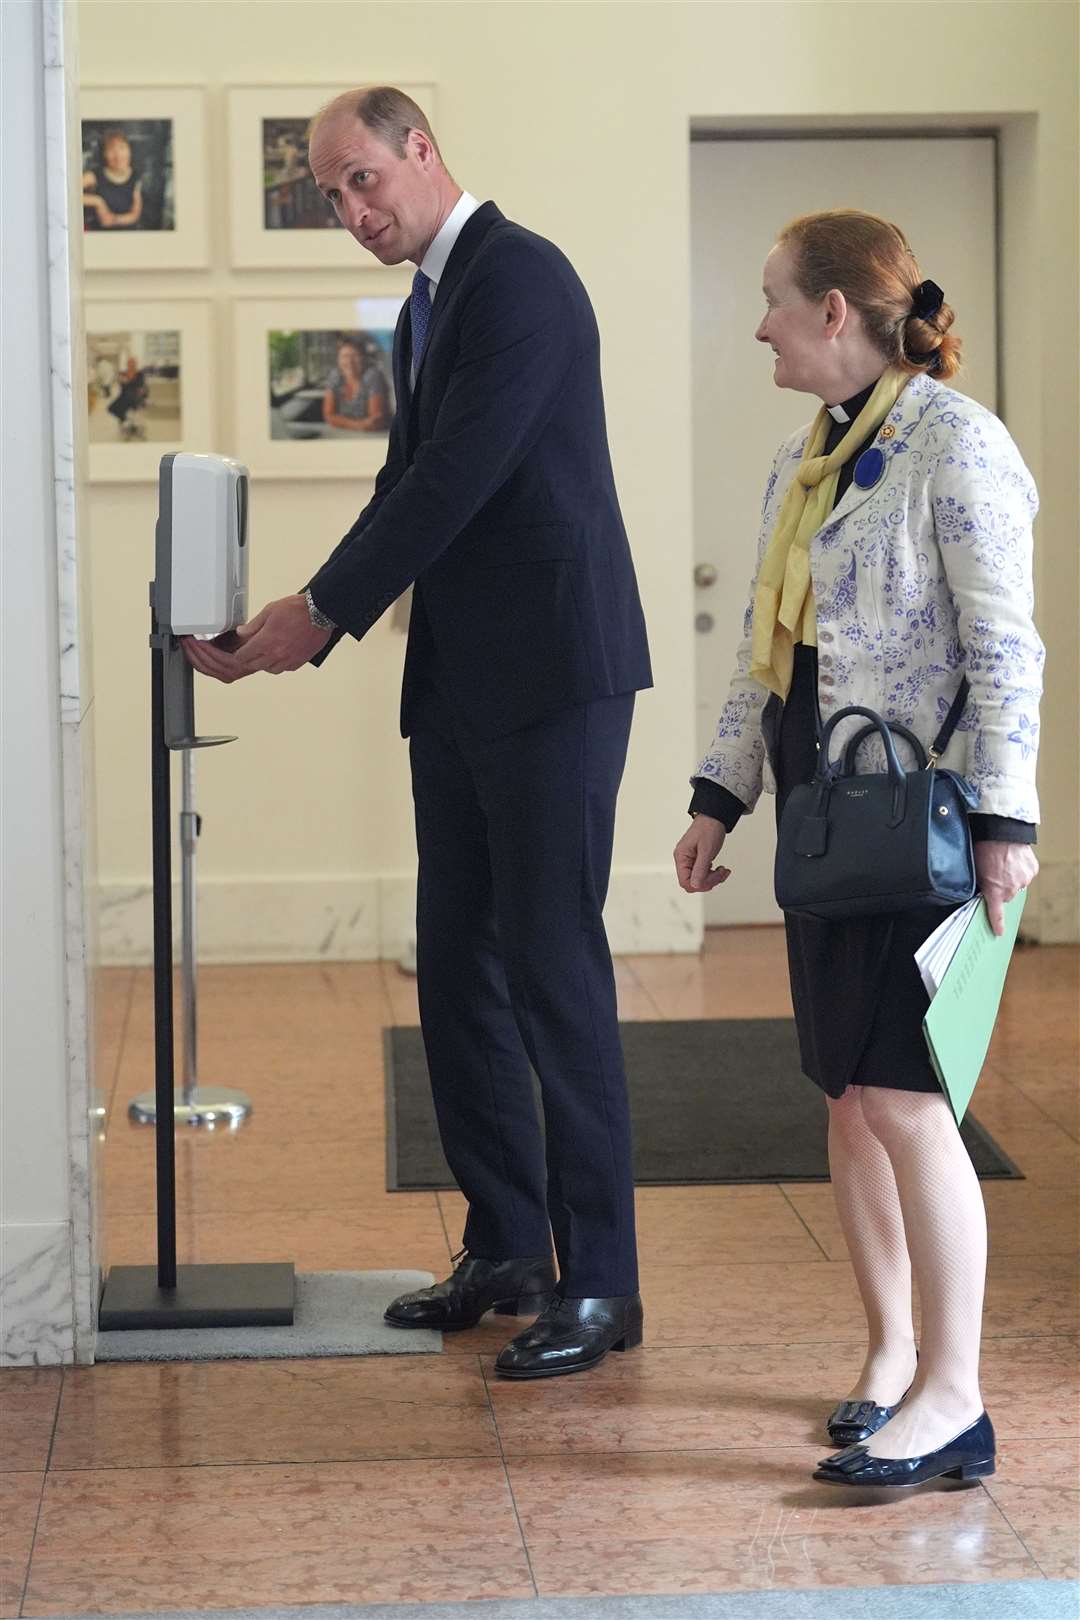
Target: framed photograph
147,383
278,216
315,385
143,178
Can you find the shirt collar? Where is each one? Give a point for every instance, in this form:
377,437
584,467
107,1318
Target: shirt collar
850,409
434,261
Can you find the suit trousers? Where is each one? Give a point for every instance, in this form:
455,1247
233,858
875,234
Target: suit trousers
514,838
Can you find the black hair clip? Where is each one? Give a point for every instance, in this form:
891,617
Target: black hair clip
926,300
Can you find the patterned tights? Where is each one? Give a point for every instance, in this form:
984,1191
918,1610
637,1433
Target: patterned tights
910,1205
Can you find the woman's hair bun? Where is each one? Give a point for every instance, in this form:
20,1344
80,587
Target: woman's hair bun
928,343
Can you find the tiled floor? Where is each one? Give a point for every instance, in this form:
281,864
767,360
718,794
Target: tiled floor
683,1468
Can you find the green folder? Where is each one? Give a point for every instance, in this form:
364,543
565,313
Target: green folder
960,1020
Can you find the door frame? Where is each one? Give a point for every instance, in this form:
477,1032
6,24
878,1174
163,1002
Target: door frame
888,129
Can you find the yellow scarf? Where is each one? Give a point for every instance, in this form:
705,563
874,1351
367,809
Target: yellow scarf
784,610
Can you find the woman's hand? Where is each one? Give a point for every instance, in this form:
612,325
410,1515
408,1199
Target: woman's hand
1001,871
695,853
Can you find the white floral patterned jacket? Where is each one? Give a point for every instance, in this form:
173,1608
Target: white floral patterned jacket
921,579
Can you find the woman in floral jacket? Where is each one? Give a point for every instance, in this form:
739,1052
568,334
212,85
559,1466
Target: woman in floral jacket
894,559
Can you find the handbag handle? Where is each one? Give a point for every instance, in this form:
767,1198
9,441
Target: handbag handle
852,749
826,769
827,773
937,747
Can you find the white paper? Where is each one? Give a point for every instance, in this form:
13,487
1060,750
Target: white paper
936,952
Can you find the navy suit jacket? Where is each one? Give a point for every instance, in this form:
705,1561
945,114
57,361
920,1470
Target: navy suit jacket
497,498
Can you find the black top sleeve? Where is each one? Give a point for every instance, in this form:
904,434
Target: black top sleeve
710,799
1002,830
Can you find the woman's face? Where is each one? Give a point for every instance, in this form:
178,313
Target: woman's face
794,327
117,153
348,360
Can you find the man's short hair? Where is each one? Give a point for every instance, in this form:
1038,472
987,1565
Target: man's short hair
386,112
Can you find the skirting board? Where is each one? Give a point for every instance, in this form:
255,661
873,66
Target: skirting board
35,1295
361,919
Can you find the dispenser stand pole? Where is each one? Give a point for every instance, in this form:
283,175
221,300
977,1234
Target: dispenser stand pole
246,1294
163,987
189,835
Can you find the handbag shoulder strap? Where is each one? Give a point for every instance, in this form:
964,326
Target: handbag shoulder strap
951,721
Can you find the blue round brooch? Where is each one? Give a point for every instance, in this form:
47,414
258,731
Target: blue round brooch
869,468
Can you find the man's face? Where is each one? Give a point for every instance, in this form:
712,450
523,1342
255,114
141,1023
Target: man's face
388,203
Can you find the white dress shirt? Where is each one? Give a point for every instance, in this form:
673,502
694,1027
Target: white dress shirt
434,261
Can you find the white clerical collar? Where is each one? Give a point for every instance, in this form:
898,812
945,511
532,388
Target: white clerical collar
838,413
434,261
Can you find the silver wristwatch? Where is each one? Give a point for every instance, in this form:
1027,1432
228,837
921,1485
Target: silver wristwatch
318,618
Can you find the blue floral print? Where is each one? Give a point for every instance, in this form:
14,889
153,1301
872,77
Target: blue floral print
924,578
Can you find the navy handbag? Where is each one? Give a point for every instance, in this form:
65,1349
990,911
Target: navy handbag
858,845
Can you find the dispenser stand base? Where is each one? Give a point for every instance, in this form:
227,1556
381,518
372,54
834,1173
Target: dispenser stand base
204,1296
214,1107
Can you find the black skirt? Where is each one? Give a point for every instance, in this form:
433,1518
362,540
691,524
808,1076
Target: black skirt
859,1001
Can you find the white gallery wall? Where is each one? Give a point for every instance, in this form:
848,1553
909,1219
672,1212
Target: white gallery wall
575,118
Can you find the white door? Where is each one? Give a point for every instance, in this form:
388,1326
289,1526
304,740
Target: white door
941,194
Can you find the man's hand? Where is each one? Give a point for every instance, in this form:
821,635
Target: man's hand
215,658
695,853
281,637
1001,871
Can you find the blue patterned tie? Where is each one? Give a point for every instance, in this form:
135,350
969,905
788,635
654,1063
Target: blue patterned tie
419,316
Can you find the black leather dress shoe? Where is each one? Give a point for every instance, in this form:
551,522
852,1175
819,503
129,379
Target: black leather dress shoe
510,1287
572,1334
858,1420
969,1456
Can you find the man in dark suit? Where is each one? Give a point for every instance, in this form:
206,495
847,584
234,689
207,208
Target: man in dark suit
526,646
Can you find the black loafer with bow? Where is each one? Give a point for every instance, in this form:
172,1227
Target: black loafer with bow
969,1456
858,1420
572,1334
511,1287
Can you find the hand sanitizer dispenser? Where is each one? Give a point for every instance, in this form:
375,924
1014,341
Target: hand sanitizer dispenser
200,573
199,588
201,561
